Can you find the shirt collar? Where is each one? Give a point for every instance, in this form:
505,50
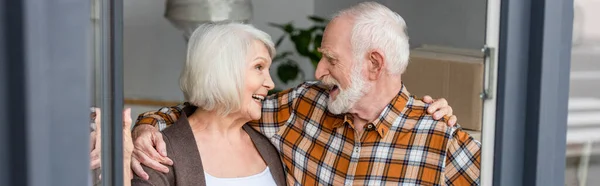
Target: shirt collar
390,113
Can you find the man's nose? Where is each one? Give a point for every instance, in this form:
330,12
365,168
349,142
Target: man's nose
321,69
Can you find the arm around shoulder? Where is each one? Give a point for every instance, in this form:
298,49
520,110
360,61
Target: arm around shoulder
155,177
277,109
162,118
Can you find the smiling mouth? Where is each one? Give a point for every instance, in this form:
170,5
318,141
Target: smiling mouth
333,91
333,88
258,98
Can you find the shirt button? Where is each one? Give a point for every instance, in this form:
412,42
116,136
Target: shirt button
370,126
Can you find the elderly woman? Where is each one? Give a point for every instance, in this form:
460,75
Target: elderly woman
225,78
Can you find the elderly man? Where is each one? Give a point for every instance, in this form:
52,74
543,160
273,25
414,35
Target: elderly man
359,125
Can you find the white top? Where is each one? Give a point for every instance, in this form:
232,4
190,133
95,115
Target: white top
261,179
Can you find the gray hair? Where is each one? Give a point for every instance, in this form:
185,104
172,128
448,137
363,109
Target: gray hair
213,75
378,27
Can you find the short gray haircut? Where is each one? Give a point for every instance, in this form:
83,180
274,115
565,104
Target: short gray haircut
217,55
378,27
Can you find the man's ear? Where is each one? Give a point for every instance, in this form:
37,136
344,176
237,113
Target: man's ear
376,64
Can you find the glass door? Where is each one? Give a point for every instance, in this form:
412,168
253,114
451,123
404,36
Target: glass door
583,122
107,104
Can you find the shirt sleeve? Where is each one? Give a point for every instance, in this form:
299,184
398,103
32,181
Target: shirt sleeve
277,110
162,118
463,159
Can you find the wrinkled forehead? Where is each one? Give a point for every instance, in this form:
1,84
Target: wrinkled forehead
337,35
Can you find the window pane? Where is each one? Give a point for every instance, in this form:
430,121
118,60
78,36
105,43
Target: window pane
583,134
96,61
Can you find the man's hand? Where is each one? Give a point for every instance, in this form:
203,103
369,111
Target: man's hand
127,147
149,149
440,108
94,151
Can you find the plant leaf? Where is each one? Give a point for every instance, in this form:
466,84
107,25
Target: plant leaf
317,42
288,71
302,42
279,41
289,28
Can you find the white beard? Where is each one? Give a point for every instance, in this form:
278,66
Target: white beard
346,99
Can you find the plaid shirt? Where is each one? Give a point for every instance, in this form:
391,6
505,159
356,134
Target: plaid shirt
403,146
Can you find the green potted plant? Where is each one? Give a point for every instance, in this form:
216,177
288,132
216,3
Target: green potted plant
306,42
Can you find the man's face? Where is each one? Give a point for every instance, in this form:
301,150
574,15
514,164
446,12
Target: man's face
338,68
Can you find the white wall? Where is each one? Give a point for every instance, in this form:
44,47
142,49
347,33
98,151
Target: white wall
325,8
438,22
588,12
449,23
155,51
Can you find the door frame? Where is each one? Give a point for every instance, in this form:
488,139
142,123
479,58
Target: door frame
532,94
45,92
490,82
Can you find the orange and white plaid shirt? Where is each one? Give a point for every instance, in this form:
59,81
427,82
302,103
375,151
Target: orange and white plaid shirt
403,146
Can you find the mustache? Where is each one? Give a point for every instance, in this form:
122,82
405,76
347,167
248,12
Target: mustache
330,82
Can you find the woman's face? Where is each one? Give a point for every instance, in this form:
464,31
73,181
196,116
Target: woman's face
257,81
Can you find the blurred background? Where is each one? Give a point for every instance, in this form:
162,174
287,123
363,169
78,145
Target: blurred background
135,52
446,37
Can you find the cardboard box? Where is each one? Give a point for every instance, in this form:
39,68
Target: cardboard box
454,74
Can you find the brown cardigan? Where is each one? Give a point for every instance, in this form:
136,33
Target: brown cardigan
187,164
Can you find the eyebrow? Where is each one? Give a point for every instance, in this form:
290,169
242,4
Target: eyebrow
326,52
264,59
